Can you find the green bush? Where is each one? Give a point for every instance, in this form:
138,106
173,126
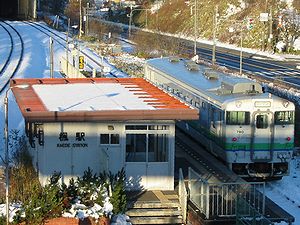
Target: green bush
116,186
118,198
43,204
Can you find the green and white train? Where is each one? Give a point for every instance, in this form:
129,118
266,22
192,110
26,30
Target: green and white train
252,131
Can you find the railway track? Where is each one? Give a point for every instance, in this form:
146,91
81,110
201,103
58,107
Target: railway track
15,56
55,37
58,37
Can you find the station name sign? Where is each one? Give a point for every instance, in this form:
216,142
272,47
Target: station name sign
79,138
72,145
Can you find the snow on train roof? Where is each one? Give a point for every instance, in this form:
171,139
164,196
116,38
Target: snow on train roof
209,82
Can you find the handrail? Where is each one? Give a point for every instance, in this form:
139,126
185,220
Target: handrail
183,195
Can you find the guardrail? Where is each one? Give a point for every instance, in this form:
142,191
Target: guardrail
217,200
248,215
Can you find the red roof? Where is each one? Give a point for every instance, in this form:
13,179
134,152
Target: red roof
166,107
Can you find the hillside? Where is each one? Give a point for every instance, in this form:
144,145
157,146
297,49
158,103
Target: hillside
177,16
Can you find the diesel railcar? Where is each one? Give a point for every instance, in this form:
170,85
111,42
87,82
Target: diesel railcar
252,131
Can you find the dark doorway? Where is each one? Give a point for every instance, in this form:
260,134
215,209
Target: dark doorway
9,9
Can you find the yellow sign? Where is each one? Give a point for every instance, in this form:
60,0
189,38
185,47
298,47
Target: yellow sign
81,62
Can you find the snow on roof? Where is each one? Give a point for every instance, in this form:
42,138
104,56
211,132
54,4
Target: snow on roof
89,97
97,99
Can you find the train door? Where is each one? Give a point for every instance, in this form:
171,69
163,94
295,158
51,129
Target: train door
262,138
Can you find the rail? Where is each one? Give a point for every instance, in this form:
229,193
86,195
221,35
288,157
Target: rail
183,195
217,200
16,63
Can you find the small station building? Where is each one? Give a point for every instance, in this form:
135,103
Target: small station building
103,123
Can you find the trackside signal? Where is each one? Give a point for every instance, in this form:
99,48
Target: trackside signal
81,62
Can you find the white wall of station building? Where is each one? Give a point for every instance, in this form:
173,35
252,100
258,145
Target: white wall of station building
144,148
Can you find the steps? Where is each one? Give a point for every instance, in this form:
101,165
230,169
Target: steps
154,207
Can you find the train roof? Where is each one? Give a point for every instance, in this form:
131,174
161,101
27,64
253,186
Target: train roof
219,86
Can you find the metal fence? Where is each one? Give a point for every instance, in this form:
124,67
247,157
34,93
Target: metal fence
183,195
248,215
216,200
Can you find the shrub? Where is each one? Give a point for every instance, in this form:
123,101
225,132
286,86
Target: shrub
43,204
118,198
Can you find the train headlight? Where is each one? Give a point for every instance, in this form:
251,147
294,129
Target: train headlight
285,104
234,139
288,139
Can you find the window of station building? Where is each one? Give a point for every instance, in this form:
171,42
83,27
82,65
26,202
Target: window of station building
136,147
109,139
237,118
158,127
158,147
147,127
136,127
262,121
284,117
114,139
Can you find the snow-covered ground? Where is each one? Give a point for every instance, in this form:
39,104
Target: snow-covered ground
36,65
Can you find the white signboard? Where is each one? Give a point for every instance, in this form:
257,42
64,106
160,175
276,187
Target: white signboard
264,17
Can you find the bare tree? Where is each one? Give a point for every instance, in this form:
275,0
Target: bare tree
290,28
72,9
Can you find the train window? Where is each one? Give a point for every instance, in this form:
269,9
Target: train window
237,118
284,117
262,121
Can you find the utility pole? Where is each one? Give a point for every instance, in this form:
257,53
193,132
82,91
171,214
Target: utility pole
67,48
130,21
51,58
87,19
263,46
271,27
215,22
80,19
241,52
6,157
34,9
195,28
146,19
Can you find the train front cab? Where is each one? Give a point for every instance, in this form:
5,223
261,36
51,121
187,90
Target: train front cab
260,142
